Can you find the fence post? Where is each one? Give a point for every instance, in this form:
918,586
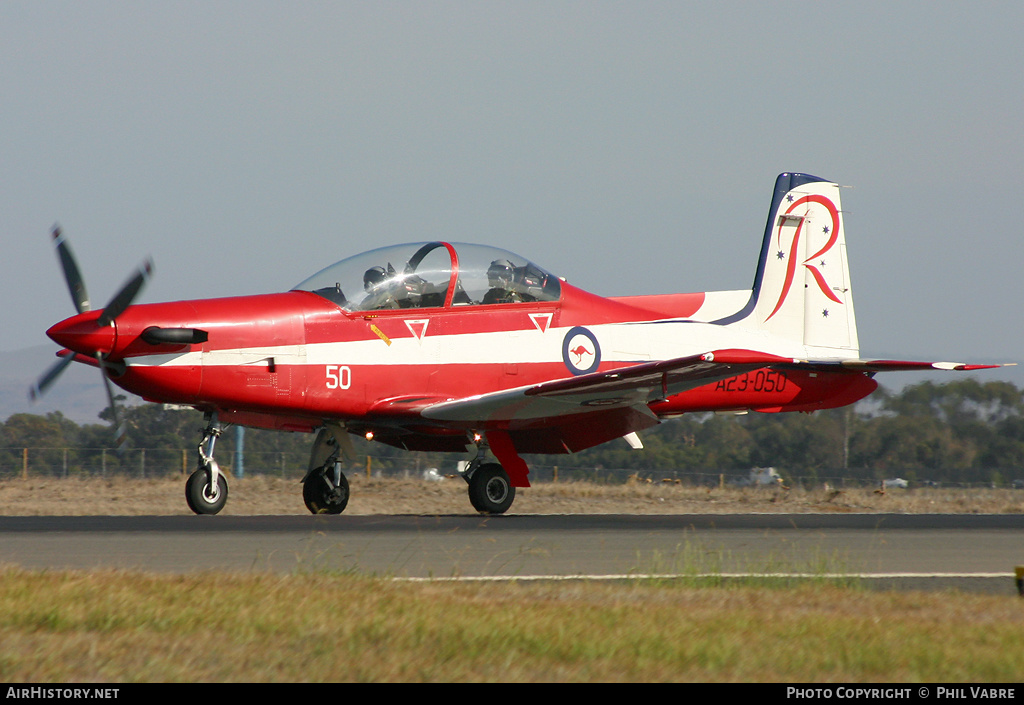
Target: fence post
24,463
239,451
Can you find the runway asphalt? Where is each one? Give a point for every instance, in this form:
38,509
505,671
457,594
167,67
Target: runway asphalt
967,552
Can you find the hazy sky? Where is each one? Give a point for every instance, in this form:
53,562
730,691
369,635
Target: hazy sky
630,147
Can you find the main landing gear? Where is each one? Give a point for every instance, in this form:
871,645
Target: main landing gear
490,488
325,487
206,490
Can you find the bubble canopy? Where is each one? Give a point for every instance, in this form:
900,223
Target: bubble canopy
432,275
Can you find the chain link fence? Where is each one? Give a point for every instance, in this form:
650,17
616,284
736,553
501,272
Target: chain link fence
156,463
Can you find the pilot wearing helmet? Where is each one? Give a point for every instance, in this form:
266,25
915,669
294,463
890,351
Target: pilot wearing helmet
374,277
379,290
501,279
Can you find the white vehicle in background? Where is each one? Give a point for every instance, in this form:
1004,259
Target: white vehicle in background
761,477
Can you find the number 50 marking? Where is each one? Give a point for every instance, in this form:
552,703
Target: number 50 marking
339,377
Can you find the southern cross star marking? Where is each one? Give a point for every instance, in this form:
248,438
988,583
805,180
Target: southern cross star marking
780,255
825,230
824,313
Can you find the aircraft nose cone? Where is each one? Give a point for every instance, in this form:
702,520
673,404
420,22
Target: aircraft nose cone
83,335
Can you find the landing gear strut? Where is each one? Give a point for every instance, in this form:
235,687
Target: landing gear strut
325,487
206,490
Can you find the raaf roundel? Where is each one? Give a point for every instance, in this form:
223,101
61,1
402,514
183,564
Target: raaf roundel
471,349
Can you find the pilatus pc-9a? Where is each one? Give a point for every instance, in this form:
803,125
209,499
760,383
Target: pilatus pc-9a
470,349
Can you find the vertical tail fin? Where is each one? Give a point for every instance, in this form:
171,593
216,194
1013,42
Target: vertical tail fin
802,288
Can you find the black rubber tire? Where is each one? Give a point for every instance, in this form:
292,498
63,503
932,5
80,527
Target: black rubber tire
320,498
198,496
491,490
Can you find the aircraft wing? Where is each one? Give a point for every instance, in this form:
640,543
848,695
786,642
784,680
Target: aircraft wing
642,384
571,414
626,388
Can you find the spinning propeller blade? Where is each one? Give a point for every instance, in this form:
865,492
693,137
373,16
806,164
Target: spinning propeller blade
40,387
72,276
127,294
120,430
80,298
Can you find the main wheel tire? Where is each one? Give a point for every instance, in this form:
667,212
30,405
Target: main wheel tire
201,497
321,498
490,490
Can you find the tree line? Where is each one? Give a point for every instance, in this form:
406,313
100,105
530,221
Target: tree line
963,431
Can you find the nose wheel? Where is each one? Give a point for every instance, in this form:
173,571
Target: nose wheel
205,495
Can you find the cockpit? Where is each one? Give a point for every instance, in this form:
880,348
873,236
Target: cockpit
432,275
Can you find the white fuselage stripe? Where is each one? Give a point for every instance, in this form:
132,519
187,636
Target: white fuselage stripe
620,342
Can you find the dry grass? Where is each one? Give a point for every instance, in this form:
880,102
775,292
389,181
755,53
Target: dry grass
272,495
120,627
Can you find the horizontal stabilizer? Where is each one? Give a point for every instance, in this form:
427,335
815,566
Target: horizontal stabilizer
895,365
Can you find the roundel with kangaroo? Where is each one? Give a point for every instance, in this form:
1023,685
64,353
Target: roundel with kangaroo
580,351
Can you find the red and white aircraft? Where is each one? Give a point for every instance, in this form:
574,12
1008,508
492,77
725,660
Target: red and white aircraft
453,347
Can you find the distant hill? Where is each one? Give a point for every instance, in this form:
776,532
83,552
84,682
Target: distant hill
78,394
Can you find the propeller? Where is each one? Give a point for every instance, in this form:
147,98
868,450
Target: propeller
80,298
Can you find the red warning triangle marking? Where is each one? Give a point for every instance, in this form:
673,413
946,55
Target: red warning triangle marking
541,320
418,328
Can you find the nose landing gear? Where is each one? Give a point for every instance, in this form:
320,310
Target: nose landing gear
206,490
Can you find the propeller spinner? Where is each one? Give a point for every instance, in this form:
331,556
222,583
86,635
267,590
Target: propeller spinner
89,335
